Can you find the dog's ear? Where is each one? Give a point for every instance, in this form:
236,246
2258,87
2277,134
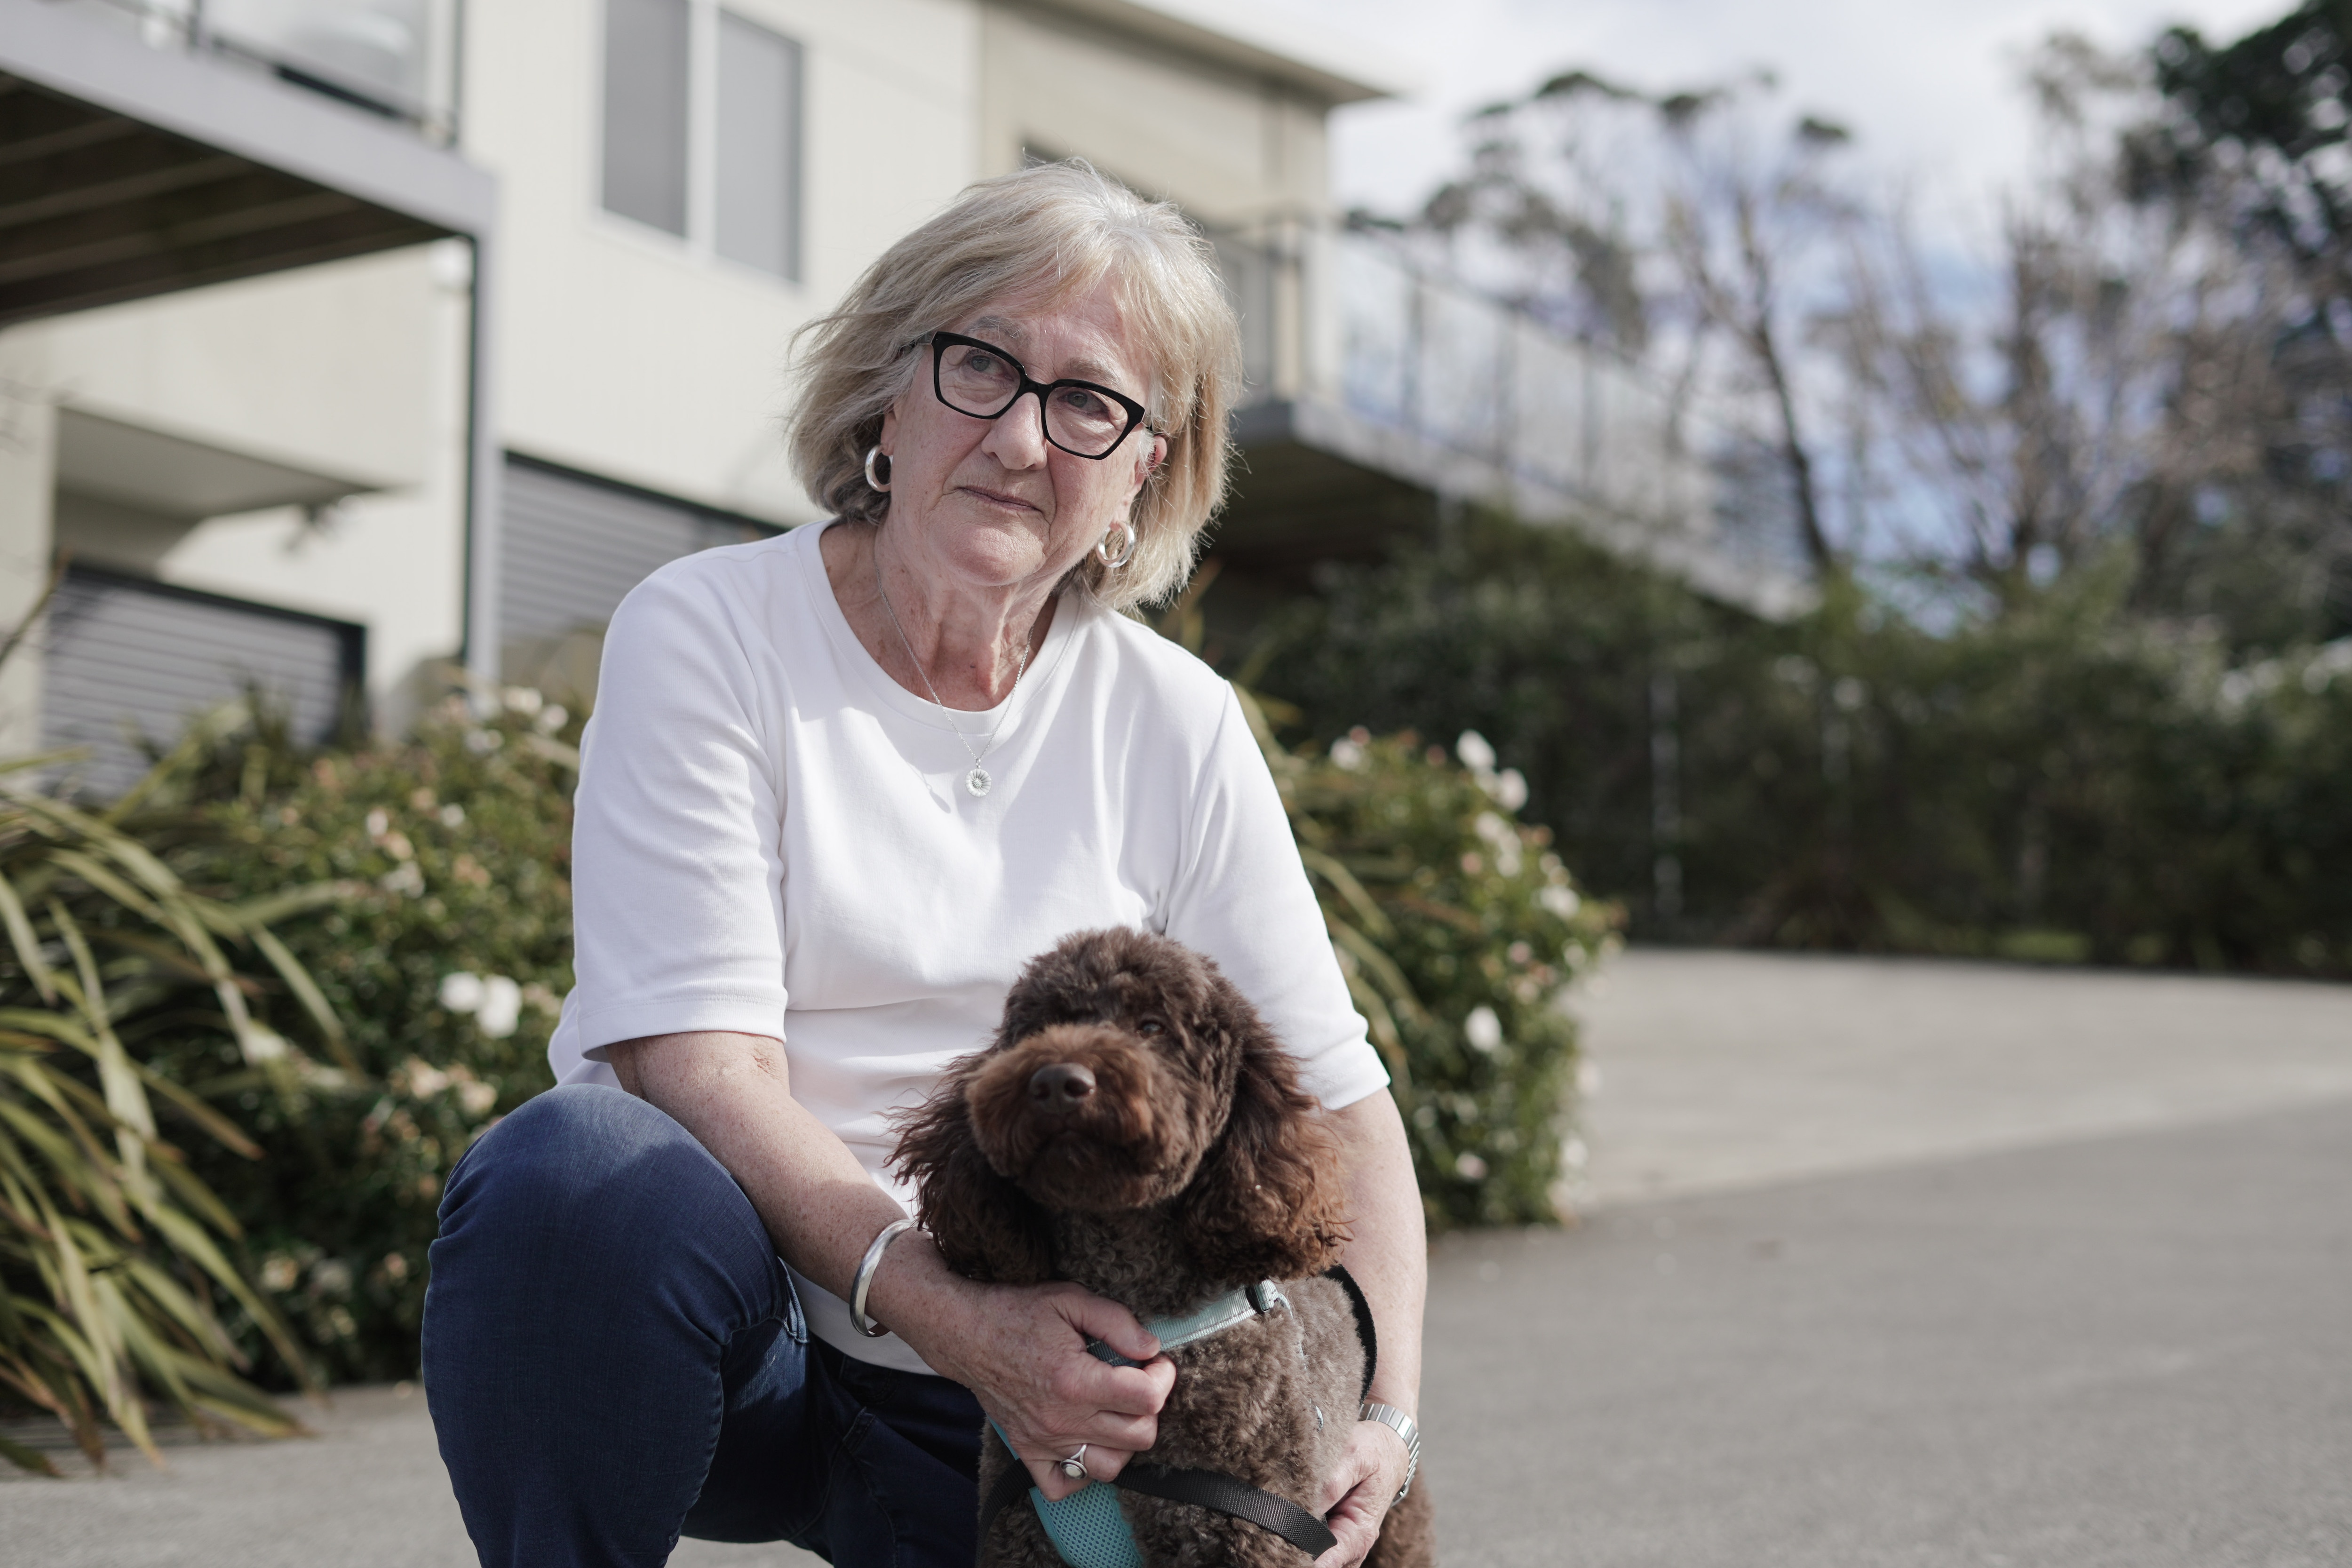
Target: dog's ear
986,1229
1266,1203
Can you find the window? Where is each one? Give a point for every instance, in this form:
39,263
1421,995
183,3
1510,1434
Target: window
645,70
702,130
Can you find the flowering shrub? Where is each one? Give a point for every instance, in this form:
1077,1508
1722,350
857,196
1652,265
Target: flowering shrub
447,956
1458,929
449,949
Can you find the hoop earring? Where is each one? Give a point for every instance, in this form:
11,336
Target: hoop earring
1126,550
880,481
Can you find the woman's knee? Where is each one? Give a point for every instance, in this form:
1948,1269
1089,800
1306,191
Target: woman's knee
588,1175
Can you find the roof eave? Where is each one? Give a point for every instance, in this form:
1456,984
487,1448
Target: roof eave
1331,83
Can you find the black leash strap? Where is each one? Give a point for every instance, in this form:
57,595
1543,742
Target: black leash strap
1009,1489
1204,1489
1222,1494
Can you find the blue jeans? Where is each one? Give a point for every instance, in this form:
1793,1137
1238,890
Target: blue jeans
613,1357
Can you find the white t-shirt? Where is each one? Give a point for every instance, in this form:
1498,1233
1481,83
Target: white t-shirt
773,837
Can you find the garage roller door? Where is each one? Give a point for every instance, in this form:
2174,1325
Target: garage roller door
574,546
128,663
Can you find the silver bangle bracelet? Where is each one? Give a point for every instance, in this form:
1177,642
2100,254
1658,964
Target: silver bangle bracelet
867,1267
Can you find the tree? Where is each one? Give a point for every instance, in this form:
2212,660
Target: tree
2147,382
1666,228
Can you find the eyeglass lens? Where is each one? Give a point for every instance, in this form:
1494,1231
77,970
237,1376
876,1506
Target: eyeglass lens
984,382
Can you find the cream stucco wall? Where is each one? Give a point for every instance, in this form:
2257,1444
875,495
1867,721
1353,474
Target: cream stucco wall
26,422
1233,148
351,370
619,350
626,352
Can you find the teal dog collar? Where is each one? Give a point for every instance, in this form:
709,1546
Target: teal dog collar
1214,1317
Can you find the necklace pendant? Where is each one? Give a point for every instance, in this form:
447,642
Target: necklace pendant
977,782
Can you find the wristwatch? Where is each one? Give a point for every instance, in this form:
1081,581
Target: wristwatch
1397,1421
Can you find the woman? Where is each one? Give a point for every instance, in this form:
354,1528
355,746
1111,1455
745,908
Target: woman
839,786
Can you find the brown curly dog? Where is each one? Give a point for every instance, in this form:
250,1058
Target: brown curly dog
1135,1128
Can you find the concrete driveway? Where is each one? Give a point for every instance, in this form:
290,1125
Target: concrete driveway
1886,1263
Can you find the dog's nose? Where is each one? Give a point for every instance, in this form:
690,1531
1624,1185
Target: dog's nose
1061,1087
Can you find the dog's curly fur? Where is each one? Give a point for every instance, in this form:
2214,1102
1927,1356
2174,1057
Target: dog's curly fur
1192,1163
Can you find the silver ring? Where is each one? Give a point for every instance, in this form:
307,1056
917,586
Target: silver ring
1075,1466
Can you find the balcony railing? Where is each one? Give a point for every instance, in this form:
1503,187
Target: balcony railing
1499,398
399,58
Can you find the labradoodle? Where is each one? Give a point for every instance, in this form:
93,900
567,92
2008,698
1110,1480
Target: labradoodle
1135,1128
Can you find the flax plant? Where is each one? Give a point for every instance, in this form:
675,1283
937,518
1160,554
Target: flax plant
113,1255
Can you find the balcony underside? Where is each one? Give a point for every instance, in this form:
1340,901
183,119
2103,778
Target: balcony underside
1300,496
127,172
96,208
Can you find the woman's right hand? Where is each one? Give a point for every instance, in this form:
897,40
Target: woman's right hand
1021,1351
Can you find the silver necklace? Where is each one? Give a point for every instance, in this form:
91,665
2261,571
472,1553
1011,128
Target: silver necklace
977,782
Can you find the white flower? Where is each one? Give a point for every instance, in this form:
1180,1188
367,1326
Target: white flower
378,823
482,742
552,718
1475,754
1494,829
521,699
1575,1153
501,1006
404,877
1470,1167
1483,1029
1560,900
1509,787
453,815
2331,661
477,1097
1347,753
461,992
262,1043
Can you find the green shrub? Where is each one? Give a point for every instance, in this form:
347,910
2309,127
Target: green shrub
1458,930
447,955
447,950
2064,781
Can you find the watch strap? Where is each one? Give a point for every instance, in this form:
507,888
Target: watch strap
1397,1421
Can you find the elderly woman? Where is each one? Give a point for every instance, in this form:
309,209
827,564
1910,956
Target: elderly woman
840,785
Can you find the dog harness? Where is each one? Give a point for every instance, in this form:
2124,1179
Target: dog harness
1088,1527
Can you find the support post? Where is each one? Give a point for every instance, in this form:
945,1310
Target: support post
484,470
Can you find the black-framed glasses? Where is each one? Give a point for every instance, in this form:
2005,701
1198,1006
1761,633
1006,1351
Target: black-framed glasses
1082,417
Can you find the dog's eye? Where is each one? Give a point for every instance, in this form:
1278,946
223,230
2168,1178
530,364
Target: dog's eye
1151,1027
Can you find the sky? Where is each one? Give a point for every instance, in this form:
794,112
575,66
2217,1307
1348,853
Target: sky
1927,86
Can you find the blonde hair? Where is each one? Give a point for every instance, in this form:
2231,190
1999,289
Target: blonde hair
1049,231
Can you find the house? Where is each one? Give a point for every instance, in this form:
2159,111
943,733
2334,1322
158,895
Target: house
342,338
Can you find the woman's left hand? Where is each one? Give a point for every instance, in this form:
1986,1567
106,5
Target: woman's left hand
1357,1496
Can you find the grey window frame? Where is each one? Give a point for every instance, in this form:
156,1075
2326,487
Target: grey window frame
700,236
